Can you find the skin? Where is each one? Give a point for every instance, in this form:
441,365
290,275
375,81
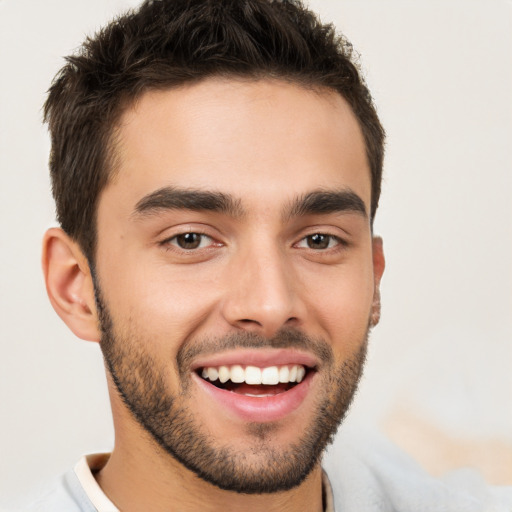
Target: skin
265,144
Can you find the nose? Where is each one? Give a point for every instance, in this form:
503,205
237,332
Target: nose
263,294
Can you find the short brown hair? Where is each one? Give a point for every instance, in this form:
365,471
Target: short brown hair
166,43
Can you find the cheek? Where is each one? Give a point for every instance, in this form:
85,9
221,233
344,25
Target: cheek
165,305
341,301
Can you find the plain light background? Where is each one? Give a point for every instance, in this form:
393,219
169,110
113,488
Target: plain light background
441,76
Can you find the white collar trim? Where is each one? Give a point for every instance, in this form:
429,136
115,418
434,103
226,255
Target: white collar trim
89,484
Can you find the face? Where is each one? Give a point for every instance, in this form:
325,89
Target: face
236,276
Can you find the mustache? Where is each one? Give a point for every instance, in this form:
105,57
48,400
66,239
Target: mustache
285,338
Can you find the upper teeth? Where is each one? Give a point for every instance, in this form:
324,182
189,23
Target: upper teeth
254,375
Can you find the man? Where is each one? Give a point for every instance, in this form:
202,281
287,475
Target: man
216,168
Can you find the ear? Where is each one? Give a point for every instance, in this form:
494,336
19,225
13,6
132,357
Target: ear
378,269
69,284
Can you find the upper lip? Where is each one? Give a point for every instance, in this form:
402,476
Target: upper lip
261,358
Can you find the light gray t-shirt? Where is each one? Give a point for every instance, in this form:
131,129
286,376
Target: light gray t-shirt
367,473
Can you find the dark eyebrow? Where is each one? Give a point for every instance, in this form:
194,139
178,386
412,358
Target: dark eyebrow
323,202
171,198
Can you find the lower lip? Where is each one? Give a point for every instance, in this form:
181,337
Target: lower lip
258,409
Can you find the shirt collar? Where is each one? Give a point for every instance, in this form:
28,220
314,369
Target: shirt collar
327,494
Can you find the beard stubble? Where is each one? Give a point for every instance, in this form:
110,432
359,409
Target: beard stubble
141,383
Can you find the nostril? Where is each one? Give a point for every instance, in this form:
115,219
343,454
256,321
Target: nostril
249,321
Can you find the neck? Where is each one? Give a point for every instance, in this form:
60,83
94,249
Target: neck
134,480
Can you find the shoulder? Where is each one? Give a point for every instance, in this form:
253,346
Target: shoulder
65,495
368,473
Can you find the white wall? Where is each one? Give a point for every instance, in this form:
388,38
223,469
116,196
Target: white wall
441,75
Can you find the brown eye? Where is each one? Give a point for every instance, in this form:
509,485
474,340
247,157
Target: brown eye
319,241
189,240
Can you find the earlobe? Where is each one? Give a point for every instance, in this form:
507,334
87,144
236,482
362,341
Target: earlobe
379,264
69,284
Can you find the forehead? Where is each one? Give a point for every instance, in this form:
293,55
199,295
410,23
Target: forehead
251,139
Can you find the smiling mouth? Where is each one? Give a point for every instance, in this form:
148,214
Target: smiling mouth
254,381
